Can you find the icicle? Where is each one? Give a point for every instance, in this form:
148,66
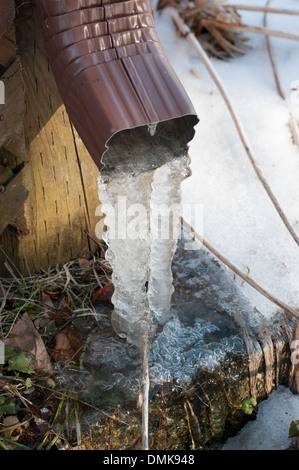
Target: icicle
152,129
141,250
165,219
128,256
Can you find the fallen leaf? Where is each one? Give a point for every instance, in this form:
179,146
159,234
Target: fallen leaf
24,337
68,346
85,263
104,294
21,362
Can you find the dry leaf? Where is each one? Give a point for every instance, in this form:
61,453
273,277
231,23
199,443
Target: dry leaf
67,346
85,263
104,294
25,337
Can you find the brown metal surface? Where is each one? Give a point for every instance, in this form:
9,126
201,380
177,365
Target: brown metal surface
113,76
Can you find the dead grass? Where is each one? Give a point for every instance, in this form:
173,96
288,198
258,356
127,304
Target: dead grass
45,319
215,40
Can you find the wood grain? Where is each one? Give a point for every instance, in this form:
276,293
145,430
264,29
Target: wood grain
64,195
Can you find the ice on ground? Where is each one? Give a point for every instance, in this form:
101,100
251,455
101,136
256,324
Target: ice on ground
239,218
270,430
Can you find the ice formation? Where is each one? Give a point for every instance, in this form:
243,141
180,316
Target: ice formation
142,217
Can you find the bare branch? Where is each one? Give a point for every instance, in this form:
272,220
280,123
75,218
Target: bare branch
272,60
265,9
238,272
250,29
186,32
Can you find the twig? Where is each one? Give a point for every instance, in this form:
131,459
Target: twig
250,29
95,241
294,129
189,427
238,272
265,9
292,121
186,32
145,393
15,426
4,297
272,60
9,268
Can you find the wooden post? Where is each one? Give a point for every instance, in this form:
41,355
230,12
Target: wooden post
61,205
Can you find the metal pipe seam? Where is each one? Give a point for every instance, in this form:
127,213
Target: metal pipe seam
114,79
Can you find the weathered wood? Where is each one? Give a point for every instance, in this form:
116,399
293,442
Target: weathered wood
12,112
7,14
7,49
15,194
64,195
5,175
16,144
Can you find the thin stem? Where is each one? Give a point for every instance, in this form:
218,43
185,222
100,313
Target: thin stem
265,9
145,393
250,29
272,60
186,32
294,129
238,272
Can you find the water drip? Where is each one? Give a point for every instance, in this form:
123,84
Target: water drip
152,128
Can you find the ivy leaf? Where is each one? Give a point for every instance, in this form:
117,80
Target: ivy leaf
28,383
8,406
294,431
9,352
21,362
248,404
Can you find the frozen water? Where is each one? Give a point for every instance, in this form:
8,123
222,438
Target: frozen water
152,128
165,218
270,430
238,217
201,333
142,215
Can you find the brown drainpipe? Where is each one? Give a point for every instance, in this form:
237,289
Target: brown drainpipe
113,76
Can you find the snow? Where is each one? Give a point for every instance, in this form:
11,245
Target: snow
270,430
238,217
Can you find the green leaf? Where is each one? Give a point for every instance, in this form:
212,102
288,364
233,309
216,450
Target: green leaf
2,399
51,383
294,431
28,383
21,362
248,404
9,406
9,351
